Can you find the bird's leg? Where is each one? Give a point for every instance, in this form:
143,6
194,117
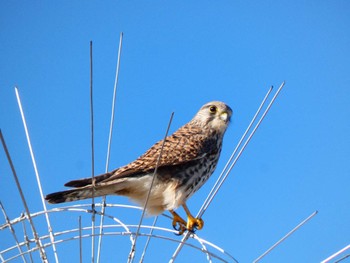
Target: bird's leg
192,222
177,220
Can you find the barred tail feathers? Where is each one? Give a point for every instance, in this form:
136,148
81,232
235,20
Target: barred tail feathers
86,192
70,195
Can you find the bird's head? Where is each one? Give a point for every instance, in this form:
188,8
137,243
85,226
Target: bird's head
214,115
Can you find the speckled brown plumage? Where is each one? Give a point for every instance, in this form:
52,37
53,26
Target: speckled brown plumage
189,157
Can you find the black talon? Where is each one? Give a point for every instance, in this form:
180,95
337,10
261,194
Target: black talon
179,229
174,226
193,230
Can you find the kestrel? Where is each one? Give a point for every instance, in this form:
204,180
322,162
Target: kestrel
189,158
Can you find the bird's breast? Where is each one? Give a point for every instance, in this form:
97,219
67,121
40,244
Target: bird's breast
195,176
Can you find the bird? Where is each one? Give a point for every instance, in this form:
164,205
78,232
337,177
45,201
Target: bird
188,158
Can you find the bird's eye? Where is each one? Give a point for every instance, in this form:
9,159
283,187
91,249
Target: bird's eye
213,109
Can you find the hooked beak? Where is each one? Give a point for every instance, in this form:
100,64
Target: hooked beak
225,117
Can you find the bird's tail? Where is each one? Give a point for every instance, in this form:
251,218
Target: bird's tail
88,191
71,195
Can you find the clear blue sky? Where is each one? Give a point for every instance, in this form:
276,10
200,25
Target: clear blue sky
178,55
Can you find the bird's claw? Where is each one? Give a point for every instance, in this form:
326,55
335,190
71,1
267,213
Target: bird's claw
180,228
194,224
179,225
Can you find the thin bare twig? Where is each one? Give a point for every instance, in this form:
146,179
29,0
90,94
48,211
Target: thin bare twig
80,242
336,254
35,233
111,126
12,231
92,159
148,239
132,251
286,236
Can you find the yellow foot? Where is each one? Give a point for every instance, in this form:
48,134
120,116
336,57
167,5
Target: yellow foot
194,224
178,223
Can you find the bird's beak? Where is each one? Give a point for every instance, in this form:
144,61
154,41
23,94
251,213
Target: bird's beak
225,117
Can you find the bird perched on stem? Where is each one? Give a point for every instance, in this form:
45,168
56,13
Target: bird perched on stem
188,159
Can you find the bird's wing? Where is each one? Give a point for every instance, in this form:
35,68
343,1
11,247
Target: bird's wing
186,144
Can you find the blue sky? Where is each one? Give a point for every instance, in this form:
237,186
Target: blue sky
177,56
